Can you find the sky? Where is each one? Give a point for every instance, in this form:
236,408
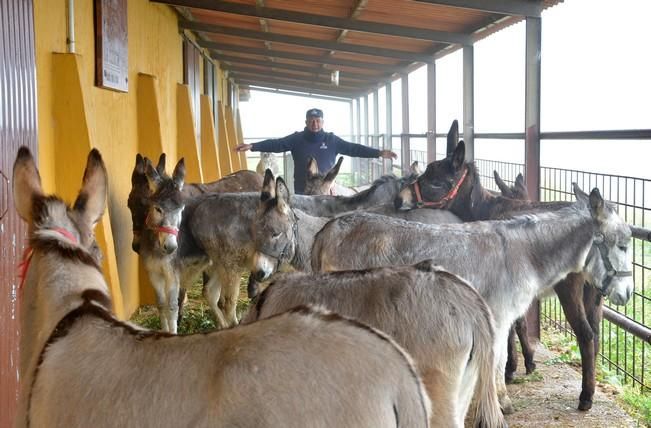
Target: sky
595,75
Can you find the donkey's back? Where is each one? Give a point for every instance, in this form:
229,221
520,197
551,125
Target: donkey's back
304,368
441,320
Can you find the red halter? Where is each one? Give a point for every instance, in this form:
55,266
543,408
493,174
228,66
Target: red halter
27,254
162,229
444,200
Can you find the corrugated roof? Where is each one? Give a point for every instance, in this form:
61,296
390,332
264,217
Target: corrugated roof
297,43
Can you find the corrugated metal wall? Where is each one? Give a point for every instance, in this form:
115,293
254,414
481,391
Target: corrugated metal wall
17,127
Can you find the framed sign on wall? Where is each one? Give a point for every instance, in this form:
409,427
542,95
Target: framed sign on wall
111,45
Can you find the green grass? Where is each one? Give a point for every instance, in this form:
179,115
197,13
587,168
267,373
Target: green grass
198,317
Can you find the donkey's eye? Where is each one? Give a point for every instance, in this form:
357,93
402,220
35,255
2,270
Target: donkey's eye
275,235
622,247
158,210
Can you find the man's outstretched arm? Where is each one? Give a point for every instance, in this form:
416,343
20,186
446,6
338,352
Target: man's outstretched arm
273,145
362,151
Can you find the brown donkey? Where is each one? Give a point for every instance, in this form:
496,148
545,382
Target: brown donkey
441,320
80,366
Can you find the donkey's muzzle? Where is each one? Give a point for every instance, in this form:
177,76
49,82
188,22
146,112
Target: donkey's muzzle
259,275
135,246
252,287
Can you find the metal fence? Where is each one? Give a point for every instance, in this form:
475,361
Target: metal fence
625,336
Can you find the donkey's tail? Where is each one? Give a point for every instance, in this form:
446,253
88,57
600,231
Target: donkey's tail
488,413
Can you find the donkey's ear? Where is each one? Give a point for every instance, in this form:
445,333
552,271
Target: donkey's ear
268,186
504,188
459,156
520,187
332,174
312,167
91,201
138,174
153,177
580,194
453,137
161,164
179,174
597,204
282,196
26,183
414,168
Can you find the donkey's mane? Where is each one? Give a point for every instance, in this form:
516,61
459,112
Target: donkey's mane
364,194
48,244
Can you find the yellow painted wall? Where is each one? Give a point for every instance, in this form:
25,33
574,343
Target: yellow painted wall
110,119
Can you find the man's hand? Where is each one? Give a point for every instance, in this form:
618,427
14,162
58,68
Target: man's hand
242,147
388,154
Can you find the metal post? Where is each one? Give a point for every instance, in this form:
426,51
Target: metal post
351,118
469,101
375,167
358,140
532,135
405,146
388,139
365,162
431,112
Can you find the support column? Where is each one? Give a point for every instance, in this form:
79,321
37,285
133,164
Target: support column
469,101
358,139
431,112
388,139
532,136
365,162
405,142
375,167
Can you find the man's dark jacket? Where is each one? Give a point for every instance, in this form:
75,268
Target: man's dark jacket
322,146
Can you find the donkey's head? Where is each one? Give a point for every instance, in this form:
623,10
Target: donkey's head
274,229
317,183
438,185
49,218
609,262
517,191
163,208
141,190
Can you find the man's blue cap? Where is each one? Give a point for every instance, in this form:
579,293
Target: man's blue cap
313,112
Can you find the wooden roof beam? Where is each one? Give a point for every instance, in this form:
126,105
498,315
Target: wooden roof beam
307,42
306,89
277,66
301,57
324,21
529,8
290,79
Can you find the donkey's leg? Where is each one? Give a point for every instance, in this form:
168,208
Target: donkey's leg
570,291
442,391
501,339
158,282
511,358
593,304
173,305
527,349
212,291
230,295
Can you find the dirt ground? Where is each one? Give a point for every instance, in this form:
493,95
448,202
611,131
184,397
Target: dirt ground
550,396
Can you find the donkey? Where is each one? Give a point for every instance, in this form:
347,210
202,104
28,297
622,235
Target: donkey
267,161
509,262
440,319
581,303
70,339
240,181
182,238
283,233
324,184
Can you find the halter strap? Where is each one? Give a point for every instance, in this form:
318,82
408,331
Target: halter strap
29,252
161,229
610,271
444,200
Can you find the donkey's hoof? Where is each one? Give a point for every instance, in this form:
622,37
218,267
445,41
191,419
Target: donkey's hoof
506,405
509,377
530,367
585,405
